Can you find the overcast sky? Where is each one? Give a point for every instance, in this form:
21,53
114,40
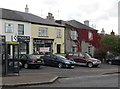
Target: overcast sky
100,13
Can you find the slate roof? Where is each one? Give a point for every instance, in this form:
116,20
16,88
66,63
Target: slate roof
79,25
26,17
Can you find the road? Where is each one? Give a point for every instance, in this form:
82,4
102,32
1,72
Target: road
77,71
80,76
86,81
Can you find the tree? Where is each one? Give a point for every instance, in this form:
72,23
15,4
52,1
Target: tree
111,43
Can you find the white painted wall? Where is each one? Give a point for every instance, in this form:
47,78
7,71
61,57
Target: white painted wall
0,26
27,28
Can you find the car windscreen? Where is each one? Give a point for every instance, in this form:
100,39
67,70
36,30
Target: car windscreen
61,57
86,55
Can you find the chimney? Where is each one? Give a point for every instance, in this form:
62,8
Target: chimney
26,9
112,33
103,31
86,22
50,16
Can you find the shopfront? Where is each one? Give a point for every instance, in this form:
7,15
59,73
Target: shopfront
42,46
24,44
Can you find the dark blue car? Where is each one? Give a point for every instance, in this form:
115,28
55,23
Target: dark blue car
114,60
57,60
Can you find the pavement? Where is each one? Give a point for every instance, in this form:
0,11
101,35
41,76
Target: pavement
30,79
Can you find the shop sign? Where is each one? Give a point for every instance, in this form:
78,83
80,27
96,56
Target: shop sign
14,38
44,49
23,38
14,43
39,41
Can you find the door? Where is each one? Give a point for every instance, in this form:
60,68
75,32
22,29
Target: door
58,48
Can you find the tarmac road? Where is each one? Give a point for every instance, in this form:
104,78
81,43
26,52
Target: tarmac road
110,80
77,71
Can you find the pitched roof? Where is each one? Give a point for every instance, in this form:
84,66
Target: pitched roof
79,25
26,17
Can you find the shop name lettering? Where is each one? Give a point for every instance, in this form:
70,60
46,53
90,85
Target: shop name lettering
25,38
42,41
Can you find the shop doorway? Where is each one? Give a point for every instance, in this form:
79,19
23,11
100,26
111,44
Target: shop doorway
58,48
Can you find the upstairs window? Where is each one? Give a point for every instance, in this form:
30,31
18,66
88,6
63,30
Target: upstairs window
74,35
20,29
58,33
43,31
8,28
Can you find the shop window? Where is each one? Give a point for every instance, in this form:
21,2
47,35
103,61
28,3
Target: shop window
20,29
43,31
58,33
23,48
8,28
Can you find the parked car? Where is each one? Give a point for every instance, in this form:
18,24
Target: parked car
57,60
29,60
83,59
114,60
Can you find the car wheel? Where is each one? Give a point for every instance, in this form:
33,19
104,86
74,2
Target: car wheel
110,62
26,66
90,64
60,65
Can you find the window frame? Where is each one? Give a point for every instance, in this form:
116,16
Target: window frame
43,32
58,33
7,30
21,31
74,35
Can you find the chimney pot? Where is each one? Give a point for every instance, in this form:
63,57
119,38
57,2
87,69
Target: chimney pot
26,9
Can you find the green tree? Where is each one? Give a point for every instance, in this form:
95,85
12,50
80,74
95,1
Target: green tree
111,43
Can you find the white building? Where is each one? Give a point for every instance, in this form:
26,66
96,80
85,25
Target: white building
15,28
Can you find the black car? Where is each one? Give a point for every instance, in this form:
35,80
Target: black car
57,60
114,60
29,60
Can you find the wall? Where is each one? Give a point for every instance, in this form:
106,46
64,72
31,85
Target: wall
27,28
51,35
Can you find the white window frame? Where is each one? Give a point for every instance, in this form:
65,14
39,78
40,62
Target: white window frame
42,31
9,27
58,33
74,35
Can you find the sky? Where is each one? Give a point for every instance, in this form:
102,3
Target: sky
100,13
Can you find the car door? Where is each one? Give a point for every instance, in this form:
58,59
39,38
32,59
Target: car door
81,59
46,60
54,60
